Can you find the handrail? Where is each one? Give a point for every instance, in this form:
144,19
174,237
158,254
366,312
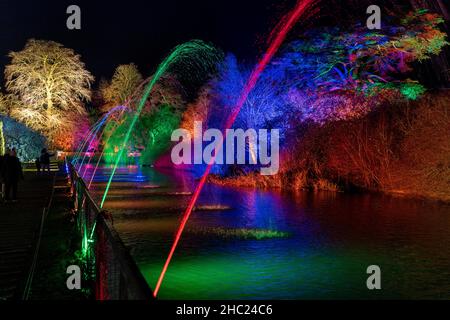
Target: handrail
117,277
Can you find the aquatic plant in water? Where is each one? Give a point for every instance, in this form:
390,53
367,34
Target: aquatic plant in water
240,233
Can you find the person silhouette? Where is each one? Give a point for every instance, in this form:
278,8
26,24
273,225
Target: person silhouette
3,158
11,173
37,162
44,160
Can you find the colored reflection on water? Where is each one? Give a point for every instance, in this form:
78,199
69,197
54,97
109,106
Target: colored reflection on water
333,239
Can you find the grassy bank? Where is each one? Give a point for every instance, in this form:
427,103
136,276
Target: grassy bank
298,181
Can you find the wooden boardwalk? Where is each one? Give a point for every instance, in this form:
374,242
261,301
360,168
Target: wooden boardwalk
19,229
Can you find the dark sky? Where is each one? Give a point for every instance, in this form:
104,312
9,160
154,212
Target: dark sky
143,32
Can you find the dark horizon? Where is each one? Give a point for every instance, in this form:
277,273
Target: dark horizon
144,32
141,32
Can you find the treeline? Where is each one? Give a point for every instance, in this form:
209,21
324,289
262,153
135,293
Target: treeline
402,149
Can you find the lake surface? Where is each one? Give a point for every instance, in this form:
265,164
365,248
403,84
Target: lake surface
333,238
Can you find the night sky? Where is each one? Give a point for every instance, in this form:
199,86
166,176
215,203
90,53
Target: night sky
142,32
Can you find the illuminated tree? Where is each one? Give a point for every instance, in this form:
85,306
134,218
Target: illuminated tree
3,111
264,107
337,75
47,82
70,136
167,91
197,110
159,127
27,142
2,139
125,81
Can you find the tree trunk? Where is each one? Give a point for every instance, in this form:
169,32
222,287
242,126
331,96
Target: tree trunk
2,139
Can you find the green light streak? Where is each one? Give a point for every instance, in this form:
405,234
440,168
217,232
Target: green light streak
85,240
157,75
196,48
93,229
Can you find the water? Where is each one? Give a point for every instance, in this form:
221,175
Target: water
333,239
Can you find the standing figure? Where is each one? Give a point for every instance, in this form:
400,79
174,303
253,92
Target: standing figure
11,173
2,180
44,160
37,162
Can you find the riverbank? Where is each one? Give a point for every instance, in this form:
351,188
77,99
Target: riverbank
291,183
400,149
256,181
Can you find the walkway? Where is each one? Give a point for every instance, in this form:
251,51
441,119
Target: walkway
19,228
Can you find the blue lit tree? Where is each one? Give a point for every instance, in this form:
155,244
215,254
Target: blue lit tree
27,142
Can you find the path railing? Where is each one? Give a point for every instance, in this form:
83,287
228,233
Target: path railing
116,275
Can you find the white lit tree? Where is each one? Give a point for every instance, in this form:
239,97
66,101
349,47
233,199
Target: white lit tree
124,83
47,85
3,112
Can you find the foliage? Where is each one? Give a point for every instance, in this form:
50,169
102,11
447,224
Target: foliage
124,83
263,107
198,110
423,166
167,91
27,142
71,135
47,82
159,127
361,63
113,136
160,116
2,140
326,77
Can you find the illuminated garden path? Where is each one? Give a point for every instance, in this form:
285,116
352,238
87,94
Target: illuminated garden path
19,228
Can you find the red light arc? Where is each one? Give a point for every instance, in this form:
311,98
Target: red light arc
281,32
